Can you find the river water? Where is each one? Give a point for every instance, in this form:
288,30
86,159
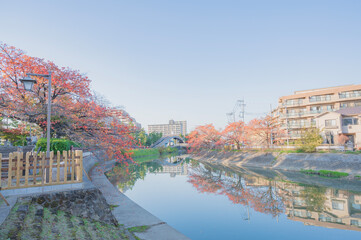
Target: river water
205,201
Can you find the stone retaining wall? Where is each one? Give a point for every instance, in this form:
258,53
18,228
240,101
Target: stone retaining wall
350,163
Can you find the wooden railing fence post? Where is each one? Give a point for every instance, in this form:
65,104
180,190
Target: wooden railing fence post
27,169
35,167
51,167
58,167
65,159
18,163
10,169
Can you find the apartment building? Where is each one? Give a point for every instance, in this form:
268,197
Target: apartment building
298,111
170,129
125,118
334,208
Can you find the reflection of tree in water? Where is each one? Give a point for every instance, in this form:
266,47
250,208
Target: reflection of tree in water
263,198
314,198
126,176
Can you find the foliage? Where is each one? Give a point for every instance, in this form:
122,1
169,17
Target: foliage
151,138
126,176
325,173
314,198
15,135
235,134
77,113
263,131
144,152
138,229
56,144
310,139
342,139
205,137
163,150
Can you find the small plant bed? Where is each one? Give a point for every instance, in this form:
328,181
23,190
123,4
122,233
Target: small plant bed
325,173
70,215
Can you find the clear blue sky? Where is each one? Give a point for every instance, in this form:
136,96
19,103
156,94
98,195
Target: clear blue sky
191,60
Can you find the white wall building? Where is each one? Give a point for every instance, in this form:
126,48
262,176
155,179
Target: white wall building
342,122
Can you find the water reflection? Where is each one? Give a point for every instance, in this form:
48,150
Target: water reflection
312,205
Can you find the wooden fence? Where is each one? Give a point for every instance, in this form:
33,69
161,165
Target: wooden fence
23,170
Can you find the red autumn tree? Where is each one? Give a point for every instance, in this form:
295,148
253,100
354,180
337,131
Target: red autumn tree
263,130
77,113
235,134
205,137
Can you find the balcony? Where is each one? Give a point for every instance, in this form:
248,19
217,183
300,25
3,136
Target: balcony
298,125
304,113
346,95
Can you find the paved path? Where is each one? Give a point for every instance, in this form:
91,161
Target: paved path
128,212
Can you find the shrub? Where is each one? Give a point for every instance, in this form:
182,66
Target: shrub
56,144
310,139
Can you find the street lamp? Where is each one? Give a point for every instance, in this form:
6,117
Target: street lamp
28,85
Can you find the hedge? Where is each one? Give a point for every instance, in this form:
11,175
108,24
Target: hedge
56,144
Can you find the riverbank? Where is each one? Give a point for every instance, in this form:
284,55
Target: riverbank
126,212
96,210
348,163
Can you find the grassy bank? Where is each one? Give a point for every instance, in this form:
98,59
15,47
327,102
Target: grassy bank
325,173
148,154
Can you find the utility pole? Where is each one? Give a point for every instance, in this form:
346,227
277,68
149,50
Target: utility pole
288,141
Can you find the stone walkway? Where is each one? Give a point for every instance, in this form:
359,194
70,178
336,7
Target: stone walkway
128,212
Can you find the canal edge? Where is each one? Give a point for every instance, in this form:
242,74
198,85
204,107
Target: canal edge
128,213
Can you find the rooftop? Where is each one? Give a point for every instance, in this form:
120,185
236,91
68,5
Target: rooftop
350,111
321,89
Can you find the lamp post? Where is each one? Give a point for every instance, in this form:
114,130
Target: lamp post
28,83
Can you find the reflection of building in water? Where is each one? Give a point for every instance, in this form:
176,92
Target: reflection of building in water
327,207
180,169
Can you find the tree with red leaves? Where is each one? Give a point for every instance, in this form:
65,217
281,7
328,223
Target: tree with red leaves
77,113
235,134
205,137
263,131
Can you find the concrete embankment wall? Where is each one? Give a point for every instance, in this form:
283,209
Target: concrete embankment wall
350,163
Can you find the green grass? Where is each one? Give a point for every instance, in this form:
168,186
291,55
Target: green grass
111,206
145,152
325,173
138,229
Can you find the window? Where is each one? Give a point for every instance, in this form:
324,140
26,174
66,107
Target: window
345,105
329,108
357,104
316,109
293,102
337,205
349,121
354,222
320,98
350,94
330,123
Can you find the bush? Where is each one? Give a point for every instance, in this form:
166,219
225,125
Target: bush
310,139
144,152
56,144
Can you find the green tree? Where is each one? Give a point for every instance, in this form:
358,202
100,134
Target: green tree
310,139
152,138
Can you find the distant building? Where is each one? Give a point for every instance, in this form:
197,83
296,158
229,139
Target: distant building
170,129
298,111
125,118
